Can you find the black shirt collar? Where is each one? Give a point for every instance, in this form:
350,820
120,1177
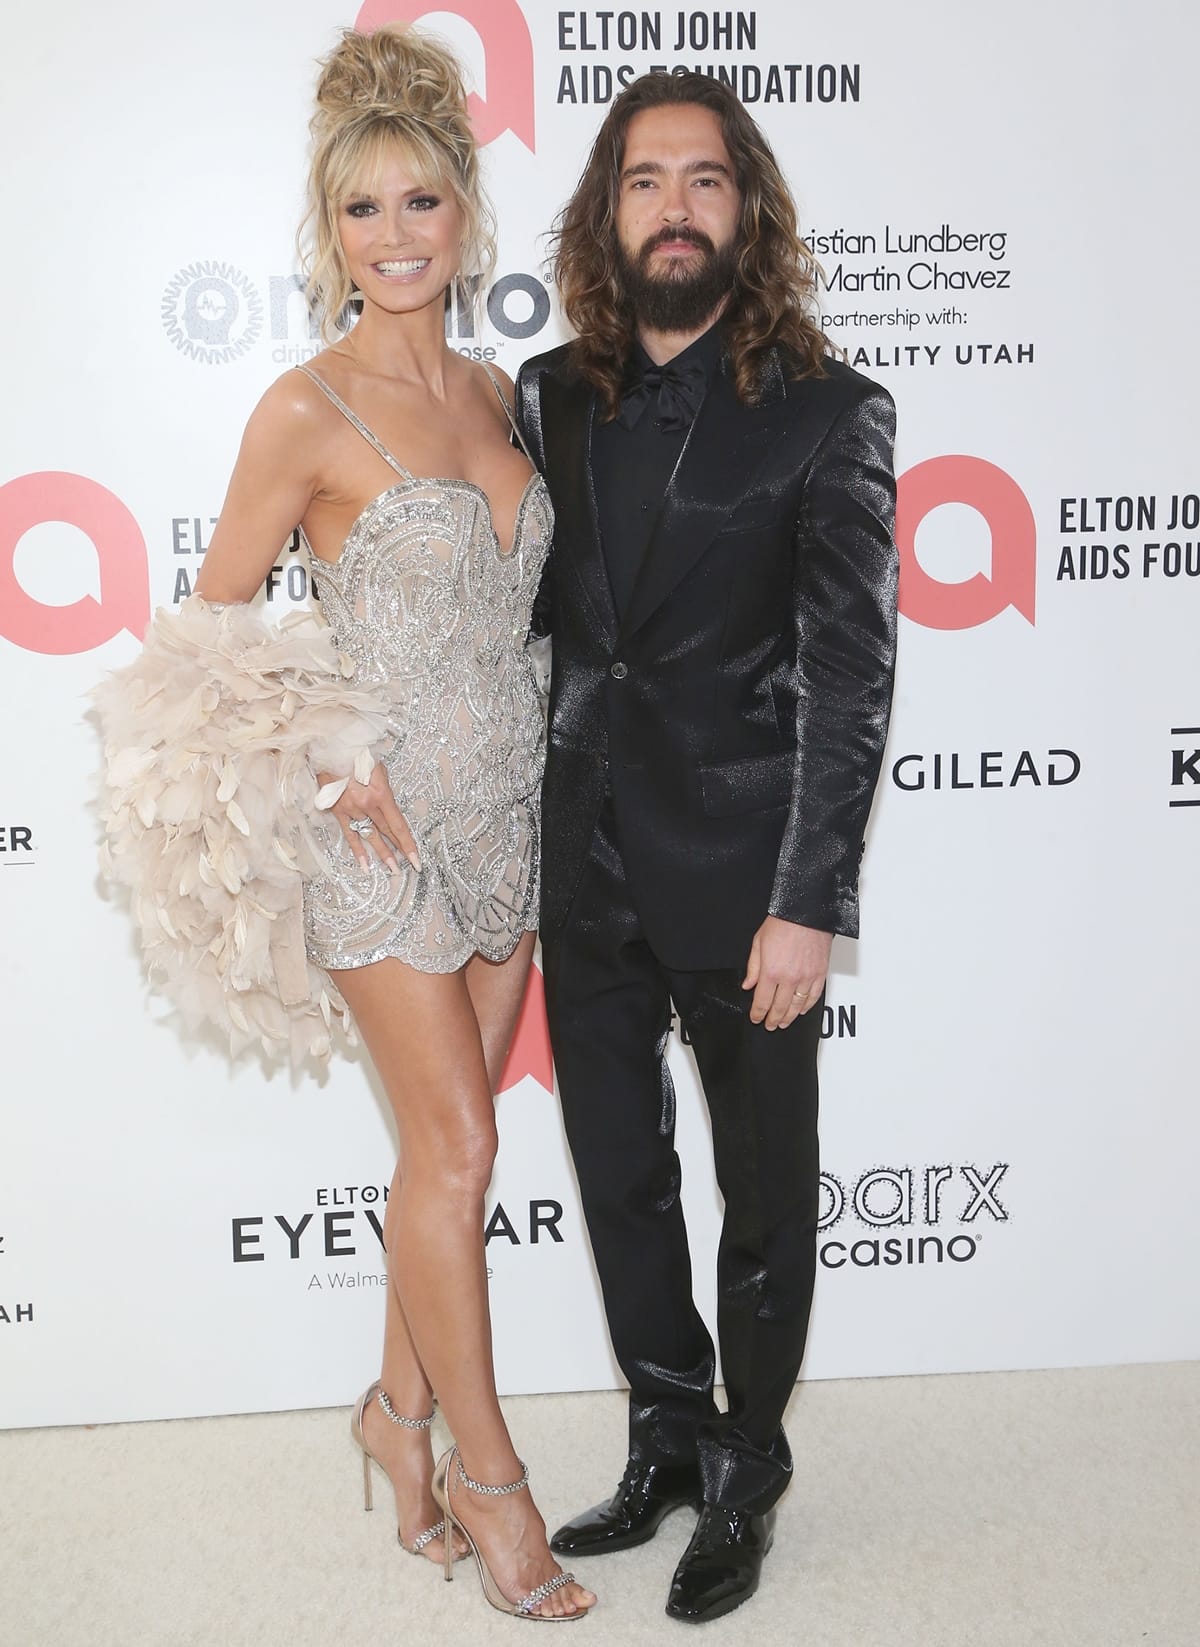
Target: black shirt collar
706,351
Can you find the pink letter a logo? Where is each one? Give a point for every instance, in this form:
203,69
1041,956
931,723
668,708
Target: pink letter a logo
507,54
32,500
997,497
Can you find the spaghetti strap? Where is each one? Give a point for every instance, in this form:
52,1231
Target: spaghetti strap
508,411
353,417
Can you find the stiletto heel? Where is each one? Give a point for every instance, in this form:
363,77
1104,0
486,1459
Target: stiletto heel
491,1590
375,1392
441,1498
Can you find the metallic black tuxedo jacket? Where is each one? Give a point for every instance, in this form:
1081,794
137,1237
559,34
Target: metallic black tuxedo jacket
739,711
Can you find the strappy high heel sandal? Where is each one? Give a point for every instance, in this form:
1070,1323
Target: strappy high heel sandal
376,1392
492,1591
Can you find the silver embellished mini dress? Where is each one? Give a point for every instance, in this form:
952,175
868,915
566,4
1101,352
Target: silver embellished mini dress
434,616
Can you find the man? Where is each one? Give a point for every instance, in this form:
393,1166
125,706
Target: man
721,597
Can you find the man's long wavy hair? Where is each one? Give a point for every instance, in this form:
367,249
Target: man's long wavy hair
775,277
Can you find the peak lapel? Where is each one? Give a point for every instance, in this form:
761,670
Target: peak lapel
568,412
723,452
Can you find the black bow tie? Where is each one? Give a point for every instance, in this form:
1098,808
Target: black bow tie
674,391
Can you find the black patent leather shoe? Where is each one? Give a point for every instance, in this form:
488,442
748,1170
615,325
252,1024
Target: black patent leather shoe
721,1566
646,1496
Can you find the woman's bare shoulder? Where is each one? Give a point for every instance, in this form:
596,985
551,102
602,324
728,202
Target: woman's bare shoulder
489,384
292,414
502,378
294,399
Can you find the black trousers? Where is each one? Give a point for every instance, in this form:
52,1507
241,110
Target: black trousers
609,1005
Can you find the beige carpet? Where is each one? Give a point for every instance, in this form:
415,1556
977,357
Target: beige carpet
1006,1510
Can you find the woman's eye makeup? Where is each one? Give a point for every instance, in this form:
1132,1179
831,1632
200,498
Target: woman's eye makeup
366,207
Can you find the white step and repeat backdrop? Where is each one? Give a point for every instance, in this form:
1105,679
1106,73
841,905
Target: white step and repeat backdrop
1010,1121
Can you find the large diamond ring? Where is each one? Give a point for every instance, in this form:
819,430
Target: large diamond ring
362,826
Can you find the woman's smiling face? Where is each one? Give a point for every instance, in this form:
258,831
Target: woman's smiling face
402,240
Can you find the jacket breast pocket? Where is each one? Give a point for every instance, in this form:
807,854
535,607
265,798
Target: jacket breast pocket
750,784
753,514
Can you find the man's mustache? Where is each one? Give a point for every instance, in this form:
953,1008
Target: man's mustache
668,236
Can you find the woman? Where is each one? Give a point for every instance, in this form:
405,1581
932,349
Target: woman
420,884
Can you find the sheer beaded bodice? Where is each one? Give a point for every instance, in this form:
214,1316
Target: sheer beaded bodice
434,614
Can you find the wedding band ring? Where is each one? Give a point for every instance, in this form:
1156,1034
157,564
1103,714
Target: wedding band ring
362,826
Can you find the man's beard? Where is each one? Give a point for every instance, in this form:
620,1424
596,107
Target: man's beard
681,298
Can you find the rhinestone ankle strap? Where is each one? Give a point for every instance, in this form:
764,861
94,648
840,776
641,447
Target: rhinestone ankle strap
494,1492
399,1418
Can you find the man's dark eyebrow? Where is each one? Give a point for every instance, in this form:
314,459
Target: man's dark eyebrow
654,167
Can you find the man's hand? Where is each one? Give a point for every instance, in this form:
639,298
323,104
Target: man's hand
786,971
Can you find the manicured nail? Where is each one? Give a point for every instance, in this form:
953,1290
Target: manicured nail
413,860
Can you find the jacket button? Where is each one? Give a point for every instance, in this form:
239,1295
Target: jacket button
619,671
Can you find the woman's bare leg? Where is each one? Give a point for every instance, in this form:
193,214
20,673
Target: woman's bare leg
496,993
406,1455
428,1046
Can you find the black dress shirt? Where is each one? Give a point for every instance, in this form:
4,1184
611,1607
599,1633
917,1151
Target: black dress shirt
631,469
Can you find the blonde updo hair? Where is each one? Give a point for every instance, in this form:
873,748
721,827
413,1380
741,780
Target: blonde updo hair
392,88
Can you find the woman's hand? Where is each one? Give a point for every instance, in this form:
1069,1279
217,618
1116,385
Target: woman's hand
371,821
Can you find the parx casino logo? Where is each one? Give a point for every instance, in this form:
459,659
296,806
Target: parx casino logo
212,313
902,1214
